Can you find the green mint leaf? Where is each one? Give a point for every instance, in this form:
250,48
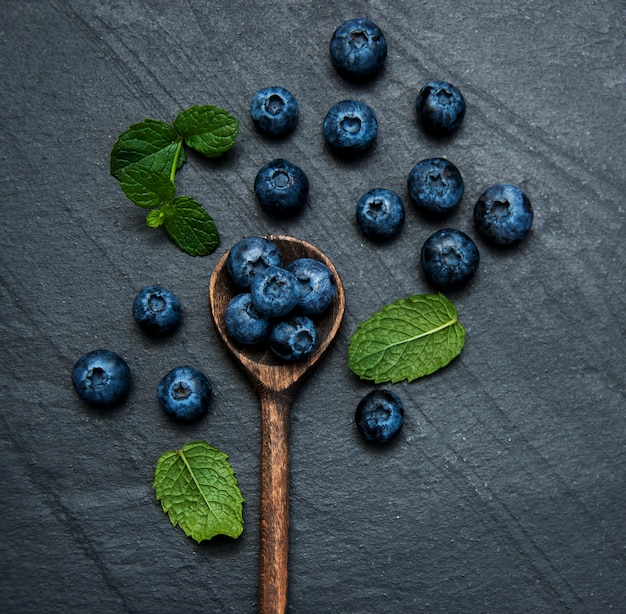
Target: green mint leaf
155,218
147,188
407,339
149,144
208,129
190,226
197,488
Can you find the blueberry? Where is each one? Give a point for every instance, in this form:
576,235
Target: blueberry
274,110
294,339
358,49
275,292
156,310
440,107
249,256
316,283
379,416
281,188
449,258
380,214
184,393
243,323
350,126
503,214
101,378
435,186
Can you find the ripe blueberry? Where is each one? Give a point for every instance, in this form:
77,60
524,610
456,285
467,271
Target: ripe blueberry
379,416
350,126
440,107
435,186
294,339
316,283
281,188
101,378
503,214
156,310
275,292
249,256
274,110
449,258
184,393
358,49
380,214
243,323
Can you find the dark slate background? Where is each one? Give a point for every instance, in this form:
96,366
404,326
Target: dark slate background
505,491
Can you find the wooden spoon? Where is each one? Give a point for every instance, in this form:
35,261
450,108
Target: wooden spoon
276,383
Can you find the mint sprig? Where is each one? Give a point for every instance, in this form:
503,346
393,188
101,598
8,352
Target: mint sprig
197,488
407,339
146,157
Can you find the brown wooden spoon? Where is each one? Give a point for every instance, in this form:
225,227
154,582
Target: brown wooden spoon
276,383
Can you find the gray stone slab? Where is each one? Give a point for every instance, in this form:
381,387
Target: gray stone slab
505,491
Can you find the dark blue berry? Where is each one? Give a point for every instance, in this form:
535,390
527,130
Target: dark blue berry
249,256
379,416
449,258
358,49
350,126
380,214
317,285
294,339
440,107
184,393
156,310
243,323
101,378
275,292
503,214
281,188
274,110
435,186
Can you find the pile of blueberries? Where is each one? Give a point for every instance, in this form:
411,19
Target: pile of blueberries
102,378
275,303
449,257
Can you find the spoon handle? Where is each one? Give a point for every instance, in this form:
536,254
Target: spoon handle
274,506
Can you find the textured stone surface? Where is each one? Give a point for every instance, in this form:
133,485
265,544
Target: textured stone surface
506,489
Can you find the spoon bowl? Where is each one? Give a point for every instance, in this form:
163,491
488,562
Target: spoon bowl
276,382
